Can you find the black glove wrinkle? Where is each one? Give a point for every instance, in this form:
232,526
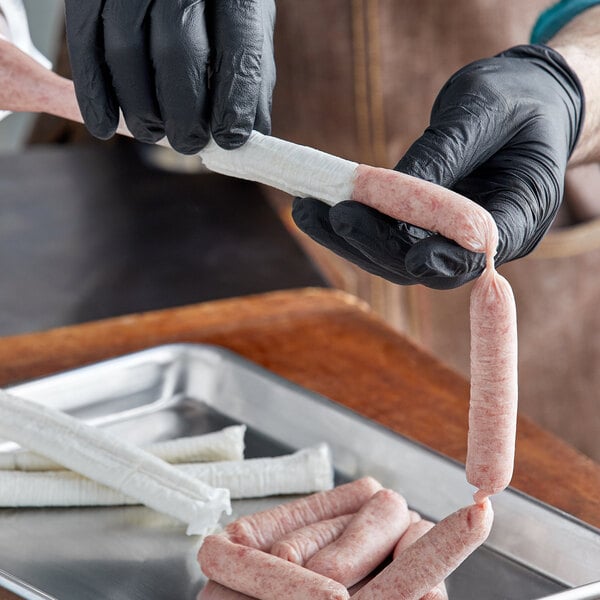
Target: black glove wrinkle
371,233
126,51
262,122
85,41
181,51
312,217
556,67
241,77
501,132
443,261
151,59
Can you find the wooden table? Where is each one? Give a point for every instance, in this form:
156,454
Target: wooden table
330,343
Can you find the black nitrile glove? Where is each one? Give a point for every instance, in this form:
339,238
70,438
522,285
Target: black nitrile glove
501,132
155,58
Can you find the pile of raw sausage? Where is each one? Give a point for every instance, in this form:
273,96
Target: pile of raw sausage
326,547
321,546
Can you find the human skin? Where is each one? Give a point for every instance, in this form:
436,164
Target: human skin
579,44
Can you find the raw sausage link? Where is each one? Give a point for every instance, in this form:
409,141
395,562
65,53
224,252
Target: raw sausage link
215,591
300,545
415,517
432,557
415,531
439,592
369,538
426,205
412,534
261,575
261,530
494,386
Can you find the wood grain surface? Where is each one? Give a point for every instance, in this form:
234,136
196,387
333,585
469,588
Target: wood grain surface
328,342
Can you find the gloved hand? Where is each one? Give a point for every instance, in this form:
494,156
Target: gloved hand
501,132
155,58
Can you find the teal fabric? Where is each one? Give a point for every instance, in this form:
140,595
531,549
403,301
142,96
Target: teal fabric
556,17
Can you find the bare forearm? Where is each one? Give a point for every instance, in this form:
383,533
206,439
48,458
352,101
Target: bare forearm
579,44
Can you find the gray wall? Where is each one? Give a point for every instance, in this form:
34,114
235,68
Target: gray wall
45,21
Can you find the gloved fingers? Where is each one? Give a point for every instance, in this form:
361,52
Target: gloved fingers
382,239
262,121
126,50
312,217
440,263
96,98
180,51
413,255
461,137
237,28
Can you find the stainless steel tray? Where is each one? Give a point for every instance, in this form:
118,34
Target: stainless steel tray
133,553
